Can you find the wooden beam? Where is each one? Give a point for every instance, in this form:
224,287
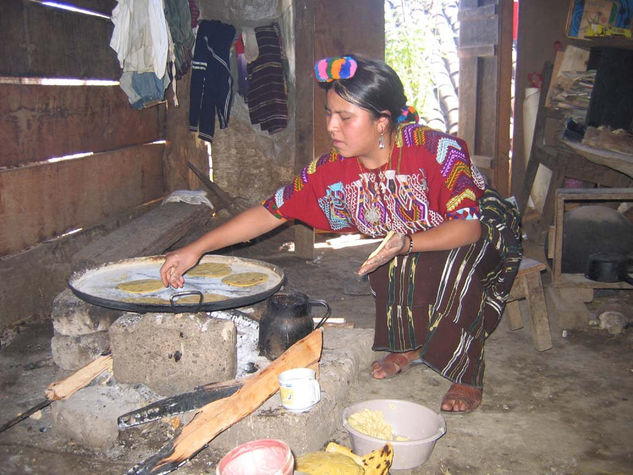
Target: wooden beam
40,41
43,201
40,122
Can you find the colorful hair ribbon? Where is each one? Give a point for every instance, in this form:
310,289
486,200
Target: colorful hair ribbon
409,114
337,67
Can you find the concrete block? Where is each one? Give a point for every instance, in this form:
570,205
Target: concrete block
346,352
73,352
72,316
89,417
173,353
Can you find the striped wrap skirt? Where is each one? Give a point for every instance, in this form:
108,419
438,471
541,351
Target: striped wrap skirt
446,303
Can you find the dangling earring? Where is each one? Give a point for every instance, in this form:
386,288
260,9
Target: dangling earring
381,141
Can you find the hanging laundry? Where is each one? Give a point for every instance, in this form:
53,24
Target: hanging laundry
140,36
143,44
251,50
143,89
211,81
241,68
195,13
267,94
178,16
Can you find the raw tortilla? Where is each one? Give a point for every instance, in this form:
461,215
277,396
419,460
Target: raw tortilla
245,279
210,269
143,286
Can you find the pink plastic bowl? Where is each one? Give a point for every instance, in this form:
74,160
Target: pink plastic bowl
419,423
258,457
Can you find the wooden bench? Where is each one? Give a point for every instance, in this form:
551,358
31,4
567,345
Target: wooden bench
529,286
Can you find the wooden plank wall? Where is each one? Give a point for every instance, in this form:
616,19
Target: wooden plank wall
485,78
327,28
340,28
41,198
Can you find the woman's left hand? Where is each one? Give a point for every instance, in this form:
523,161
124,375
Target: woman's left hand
396,245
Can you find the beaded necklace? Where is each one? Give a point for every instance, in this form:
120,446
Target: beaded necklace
372,212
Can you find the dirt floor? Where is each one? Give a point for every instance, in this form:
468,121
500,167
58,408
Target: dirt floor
564,410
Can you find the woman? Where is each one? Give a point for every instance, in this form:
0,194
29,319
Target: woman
441,281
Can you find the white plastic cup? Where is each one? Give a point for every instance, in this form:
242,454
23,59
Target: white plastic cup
299,389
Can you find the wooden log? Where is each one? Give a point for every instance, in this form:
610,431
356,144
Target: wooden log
214,418
219,415
219,198
168,223
67,387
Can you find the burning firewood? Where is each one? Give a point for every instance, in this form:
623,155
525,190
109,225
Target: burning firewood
219,415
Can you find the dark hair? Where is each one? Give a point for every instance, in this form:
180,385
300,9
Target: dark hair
375,87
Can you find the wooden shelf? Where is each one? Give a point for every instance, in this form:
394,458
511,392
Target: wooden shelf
559,279
622,162
588,43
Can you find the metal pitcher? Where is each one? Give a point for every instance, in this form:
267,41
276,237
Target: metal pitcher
286,320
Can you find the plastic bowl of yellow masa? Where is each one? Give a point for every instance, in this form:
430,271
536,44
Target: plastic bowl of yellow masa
413,429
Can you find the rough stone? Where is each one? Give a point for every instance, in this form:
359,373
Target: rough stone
173,353
73,352
89,417
241,11
241,143
345,352
72,316
613,322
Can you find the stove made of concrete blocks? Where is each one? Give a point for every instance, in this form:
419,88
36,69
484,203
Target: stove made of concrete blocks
172,353
346,352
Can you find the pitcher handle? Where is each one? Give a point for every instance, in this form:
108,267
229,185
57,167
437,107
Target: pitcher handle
325,305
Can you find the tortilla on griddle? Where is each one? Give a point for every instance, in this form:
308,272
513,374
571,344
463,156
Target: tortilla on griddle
210,269
142,286
245,279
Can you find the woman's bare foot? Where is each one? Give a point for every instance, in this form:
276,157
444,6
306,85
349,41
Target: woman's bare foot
394,363
461,398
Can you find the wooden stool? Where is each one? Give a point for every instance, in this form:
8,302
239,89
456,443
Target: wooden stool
528,285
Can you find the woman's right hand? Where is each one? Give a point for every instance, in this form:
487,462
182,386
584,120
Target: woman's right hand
176,264
251,223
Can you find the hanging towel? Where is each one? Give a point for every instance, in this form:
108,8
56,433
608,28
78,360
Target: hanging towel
140,36
211,90
178,18
251,48
267,95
